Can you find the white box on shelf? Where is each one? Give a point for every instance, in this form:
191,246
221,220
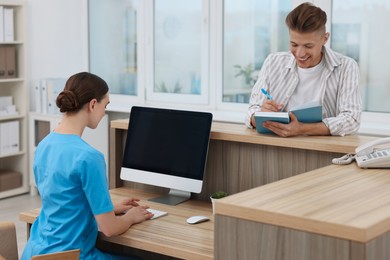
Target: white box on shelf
6,106
1,23
11,110
9,137
5,101
14,140
4,138
8,15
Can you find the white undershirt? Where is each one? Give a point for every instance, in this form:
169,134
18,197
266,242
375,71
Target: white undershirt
308,88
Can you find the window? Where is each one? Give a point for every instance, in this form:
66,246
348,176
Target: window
163,48
206,54
358,32
179,58
251,30
113,44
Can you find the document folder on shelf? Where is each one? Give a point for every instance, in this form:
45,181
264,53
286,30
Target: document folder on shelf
10,61
8,16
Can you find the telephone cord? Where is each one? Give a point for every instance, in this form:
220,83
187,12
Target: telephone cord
345,159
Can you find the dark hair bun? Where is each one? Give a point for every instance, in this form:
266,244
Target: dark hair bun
67,101
79,90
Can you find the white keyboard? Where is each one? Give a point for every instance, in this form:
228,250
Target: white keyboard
157,213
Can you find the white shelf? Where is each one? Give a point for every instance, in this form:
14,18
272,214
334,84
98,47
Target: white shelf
12,154
11,80
11,3
18,89
13,192
11,117
11,43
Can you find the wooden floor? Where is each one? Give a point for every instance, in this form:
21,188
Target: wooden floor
9,211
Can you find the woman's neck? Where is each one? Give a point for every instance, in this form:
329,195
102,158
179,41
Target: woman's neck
71,124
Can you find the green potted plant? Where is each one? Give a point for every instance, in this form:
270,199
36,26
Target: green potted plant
217,195
247,73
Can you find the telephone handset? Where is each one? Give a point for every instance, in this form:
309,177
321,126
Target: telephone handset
367,156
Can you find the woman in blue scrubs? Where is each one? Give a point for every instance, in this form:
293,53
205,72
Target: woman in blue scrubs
71,179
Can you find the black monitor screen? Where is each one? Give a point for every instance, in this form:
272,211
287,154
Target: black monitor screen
167,141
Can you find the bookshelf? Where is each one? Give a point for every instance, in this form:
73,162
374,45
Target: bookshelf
17,88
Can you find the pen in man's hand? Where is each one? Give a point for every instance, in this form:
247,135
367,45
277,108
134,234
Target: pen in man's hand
266,93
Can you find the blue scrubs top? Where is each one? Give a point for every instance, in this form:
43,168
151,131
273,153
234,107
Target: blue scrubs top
71,179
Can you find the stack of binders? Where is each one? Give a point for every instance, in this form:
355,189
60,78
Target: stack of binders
46,91
7,51
7,62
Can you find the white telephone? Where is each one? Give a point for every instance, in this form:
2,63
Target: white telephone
367,156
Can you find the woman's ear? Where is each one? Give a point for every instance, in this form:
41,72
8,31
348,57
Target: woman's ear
91,104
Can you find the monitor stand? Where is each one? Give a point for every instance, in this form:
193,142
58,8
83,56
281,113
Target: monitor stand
174,197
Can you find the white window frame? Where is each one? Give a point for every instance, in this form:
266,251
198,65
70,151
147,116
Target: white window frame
203,98
212,72
121,102
372,123
217,42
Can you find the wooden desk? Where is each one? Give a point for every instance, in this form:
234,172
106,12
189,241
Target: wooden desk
240,158
169,235
336,212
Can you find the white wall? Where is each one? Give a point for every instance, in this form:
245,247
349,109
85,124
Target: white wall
58,39
58,47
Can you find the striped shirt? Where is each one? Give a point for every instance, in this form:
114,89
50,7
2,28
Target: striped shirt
339,86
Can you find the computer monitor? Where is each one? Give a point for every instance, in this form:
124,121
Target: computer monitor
167,148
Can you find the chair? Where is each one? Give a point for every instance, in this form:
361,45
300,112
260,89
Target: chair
66,255
9,246
8,243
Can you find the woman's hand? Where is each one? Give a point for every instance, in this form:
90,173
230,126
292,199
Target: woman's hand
112,225
125,205
138,214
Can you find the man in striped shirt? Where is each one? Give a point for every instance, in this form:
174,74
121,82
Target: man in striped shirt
309,72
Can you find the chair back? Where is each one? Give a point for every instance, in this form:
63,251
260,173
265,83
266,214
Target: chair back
8,243
65,255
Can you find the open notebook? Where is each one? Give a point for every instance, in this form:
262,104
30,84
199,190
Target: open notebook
310,112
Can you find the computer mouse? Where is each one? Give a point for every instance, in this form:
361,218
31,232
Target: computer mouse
197,219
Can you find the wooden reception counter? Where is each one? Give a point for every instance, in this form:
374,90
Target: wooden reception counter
336,212
240,158
287,203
